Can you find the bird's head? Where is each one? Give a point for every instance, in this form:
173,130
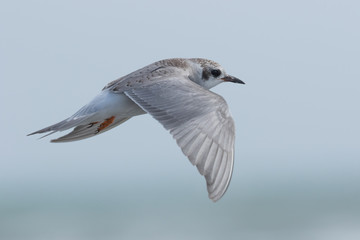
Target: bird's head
208,73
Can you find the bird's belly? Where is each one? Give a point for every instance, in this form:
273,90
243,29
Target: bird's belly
108,104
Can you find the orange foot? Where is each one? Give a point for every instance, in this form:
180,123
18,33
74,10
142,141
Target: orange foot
105,124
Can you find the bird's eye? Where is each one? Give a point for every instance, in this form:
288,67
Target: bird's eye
215,72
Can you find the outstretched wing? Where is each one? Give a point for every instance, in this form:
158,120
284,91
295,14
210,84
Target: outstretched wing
200,122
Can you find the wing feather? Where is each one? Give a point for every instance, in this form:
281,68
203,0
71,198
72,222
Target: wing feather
200,122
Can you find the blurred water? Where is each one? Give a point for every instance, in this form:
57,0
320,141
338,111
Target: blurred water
268,211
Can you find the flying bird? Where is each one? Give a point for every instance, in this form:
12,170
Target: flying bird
176,93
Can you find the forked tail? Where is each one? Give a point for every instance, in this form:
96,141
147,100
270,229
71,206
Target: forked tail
83,129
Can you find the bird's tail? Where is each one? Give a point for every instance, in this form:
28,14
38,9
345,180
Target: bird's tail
83,128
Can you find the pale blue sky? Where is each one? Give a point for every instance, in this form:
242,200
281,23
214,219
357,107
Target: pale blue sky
297,118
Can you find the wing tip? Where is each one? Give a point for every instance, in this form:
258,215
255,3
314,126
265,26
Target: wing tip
216,192
216,196
214,199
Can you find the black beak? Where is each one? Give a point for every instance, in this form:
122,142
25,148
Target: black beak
229,78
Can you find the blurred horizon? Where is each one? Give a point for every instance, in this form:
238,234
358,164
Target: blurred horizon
164,211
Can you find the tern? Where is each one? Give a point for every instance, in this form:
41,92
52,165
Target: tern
176,93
